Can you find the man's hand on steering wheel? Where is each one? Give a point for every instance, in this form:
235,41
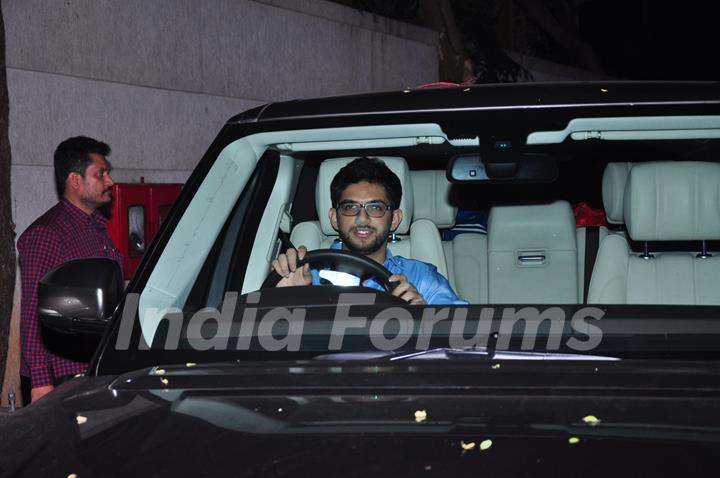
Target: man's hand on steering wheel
286,266
406,291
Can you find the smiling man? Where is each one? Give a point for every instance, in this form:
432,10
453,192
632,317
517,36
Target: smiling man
366,197
71,229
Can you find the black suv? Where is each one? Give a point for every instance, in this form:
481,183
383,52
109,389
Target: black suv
578,223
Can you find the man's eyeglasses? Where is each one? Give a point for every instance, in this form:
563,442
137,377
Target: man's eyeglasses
372,208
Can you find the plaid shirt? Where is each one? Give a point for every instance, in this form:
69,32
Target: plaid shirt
63,233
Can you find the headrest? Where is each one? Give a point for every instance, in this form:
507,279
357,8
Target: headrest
613,190
673,201
330,167
432,201
542,226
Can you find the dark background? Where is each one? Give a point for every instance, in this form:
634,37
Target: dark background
654,40
616,39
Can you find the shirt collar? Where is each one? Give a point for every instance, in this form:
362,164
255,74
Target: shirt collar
79,215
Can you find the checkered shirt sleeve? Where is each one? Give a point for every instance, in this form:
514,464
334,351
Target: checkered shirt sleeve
39,251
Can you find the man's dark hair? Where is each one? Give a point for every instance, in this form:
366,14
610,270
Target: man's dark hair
73,156
371,170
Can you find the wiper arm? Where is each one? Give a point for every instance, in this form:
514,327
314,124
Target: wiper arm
469,353
475,352
485,353
511,355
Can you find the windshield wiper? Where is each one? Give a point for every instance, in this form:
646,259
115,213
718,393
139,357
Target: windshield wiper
482,353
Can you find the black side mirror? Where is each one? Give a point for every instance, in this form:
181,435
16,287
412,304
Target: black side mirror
79,297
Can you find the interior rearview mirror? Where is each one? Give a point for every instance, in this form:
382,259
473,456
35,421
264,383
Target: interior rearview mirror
495,168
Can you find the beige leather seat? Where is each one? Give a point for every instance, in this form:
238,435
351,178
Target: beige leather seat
532,255
613,189
415,239
465,254
549,228
663,201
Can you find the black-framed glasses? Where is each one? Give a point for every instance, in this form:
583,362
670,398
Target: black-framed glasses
372,208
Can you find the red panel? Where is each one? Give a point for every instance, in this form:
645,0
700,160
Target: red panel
137,209
162,198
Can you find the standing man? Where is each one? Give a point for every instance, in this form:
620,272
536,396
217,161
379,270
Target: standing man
71,229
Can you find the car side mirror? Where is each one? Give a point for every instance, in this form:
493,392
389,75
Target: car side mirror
79,297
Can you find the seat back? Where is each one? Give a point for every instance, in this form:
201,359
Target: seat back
663,201
465,254
613,190
532,254
432,198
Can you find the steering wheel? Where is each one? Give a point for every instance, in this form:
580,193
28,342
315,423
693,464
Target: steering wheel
339,260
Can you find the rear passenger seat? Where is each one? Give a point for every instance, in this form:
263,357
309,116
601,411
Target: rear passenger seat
532,254
613,188
548,229
662,201
466,256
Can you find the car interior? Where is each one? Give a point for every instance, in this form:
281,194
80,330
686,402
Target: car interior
534,252
511,232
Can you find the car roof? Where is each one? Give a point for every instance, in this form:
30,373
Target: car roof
491,97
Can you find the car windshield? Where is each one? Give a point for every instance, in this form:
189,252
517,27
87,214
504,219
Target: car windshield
563,231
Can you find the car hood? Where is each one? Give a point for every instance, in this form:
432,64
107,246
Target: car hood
409,418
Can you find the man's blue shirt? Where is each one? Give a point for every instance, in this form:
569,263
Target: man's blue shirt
427,280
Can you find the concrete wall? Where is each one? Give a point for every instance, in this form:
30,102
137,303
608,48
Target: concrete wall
156,79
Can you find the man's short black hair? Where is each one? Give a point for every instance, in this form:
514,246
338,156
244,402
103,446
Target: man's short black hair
371,170
73,156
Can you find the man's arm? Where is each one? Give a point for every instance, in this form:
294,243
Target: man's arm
432,285
439,291
39,250
286,266
406,290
